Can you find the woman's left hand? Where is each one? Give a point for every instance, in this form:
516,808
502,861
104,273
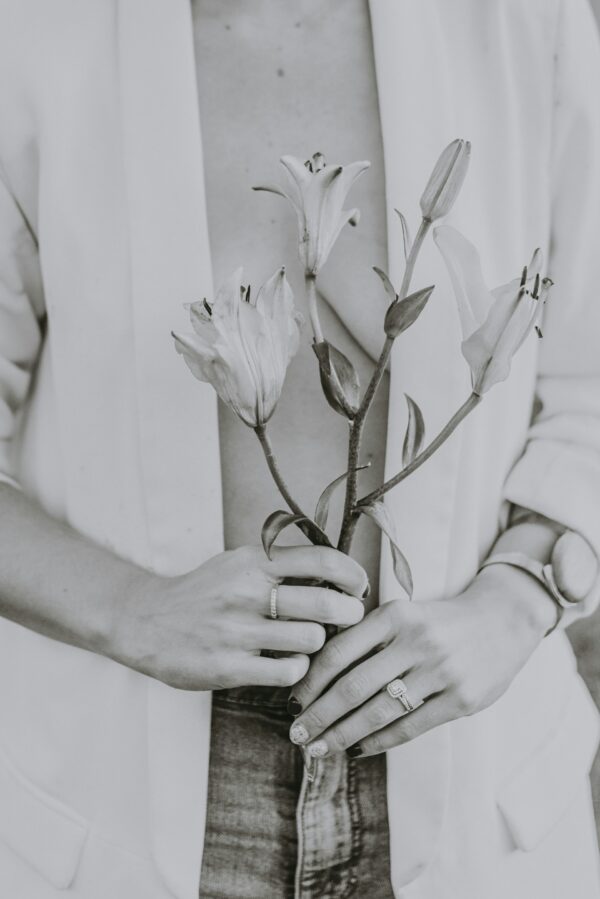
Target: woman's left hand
455,657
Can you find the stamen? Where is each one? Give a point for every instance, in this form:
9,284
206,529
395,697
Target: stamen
207,306
538,331
536,287
524,277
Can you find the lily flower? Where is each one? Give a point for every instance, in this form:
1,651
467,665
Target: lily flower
446,181
242,346
317,192
494,323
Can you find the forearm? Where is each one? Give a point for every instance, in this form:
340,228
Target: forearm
56,582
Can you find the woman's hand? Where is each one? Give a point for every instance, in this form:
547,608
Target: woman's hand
205,630
455,657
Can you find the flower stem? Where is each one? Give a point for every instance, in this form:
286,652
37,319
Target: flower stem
471,403
261,433
310,282
350,519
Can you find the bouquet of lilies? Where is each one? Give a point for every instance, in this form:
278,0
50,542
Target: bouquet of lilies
242,343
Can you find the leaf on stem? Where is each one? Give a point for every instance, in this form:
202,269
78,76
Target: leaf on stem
389,287
404,313
339,379
406,238
280,520
382,518
322,510
415,432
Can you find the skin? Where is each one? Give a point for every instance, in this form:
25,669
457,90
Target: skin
201,631
455,656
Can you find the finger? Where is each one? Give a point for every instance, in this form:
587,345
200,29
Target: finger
321,563
318,604
283,672
432,713
348,693
287,636
375,714
339,653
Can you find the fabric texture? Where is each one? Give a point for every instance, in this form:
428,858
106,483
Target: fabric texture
255,844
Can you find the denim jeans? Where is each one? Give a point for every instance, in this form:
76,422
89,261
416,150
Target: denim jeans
267,837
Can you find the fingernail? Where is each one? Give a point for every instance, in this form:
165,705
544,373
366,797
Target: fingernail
318,750
294,707
354,751
299,734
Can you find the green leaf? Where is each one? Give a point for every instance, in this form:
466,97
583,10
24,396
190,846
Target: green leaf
415,432
280,520
406,238
339,379
322,510
378,512
389,287
404,313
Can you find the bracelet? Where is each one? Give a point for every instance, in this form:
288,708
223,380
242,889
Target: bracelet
543,575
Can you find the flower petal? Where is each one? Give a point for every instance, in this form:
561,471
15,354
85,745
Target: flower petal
464,267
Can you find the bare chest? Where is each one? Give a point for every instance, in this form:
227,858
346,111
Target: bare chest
279,78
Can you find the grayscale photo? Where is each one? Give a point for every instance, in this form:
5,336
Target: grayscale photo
299,449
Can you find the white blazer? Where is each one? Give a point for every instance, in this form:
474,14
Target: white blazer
102,236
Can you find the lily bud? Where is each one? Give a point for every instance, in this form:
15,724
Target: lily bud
446,181
339,379
243,346
494,323
317,193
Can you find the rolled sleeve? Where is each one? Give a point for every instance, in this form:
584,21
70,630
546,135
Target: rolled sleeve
558,475
21,313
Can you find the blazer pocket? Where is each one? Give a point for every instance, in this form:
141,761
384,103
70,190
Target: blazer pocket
535,796
40,829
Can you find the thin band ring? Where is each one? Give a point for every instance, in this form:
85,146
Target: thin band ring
397,690
273,603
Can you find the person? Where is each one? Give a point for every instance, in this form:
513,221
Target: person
131,585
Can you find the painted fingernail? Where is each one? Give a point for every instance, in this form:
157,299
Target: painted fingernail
299,734
354,751
294,707
318,750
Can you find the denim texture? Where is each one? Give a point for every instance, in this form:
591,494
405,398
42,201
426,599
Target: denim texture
268,839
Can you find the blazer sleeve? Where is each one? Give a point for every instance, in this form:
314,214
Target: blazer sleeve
21,316
558,475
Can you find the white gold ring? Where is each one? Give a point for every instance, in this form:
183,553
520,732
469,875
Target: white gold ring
397,690
273,603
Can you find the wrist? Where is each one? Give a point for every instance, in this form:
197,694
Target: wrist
519,593
123,631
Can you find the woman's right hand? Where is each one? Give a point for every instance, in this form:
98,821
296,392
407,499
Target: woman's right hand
205,630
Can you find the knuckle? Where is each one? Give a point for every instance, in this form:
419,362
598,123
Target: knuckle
332,658
337,738
285,675
464,698
393,614
314,720
379,714
329,563
374,744
325,604
355,687
312,638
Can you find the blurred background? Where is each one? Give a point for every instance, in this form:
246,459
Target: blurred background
585,637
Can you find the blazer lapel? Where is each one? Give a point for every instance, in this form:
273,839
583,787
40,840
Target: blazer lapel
180,468
417,122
